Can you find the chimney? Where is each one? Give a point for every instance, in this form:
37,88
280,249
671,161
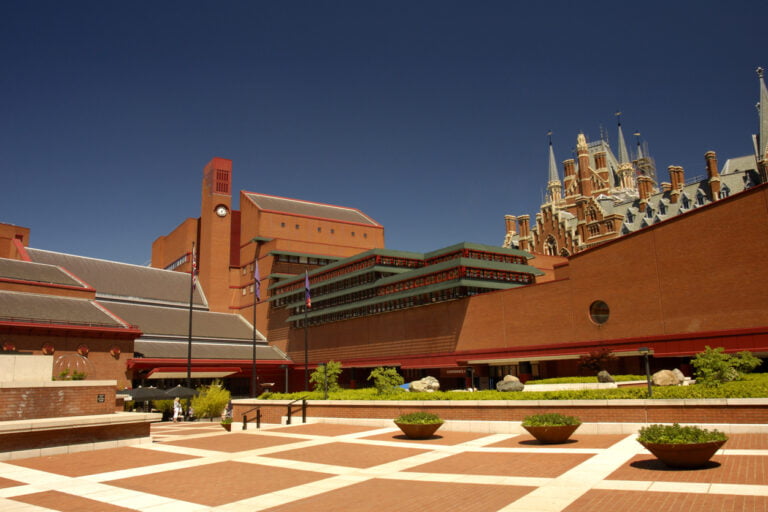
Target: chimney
585,174
665,186
712,174
568,167
523,222
509,220
644,184
600,160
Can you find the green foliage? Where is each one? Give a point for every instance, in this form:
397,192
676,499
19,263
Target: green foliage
226,420
211,400
332,371
66,375
675,434
714,367
583,380
164,406
385,380
753,386
419,418
552,419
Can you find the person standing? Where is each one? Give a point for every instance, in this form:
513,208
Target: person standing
176,409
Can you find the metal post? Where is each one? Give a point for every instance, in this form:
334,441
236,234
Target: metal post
645,352
325,373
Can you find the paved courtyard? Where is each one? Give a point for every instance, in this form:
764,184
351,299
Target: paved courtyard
200,467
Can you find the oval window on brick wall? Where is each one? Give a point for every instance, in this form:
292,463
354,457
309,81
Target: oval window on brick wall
599,312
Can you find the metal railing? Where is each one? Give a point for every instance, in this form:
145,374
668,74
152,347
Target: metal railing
258,418
303,410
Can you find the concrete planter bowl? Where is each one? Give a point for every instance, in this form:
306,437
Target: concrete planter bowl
692,455
552,434
418,430
419,425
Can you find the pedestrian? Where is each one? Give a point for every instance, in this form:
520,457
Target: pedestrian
176,409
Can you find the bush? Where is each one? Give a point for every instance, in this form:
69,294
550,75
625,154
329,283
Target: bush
419,418
550,420
675,434
582,380
385,380
164,406
714,367
331,371
211,400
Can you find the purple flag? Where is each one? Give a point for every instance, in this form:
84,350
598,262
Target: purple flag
306,288
256,280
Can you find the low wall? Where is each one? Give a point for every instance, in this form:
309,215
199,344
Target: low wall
56,399
706,411
49,436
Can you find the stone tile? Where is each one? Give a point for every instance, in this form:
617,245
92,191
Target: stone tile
56,500
405,496
234,442
347,454
505,464
722,469
99,461
218,483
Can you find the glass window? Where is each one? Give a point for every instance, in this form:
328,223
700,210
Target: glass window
599,312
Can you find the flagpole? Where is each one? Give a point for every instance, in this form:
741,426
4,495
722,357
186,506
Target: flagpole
307,305
192,283
256,297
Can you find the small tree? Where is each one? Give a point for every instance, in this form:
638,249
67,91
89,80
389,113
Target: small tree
211,400
597,359
714,366
385,380
331,372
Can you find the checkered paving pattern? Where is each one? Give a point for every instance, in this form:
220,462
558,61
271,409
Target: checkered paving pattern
333,467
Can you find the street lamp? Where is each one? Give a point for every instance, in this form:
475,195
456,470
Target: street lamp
645,352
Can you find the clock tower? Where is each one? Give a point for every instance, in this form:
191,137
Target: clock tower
215,232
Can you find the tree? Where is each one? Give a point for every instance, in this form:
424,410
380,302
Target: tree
211,400
714,366
597,359
385,380
331,372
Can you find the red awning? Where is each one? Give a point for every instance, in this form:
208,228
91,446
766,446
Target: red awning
200,372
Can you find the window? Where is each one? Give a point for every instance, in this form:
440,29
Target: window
599,312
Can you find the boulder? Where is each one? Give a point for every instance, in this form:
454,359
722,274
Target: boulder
604,376
427,384
665,378
679,374
510,383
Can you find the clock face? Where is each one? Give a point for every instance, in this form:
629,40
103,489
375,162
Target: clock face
221,211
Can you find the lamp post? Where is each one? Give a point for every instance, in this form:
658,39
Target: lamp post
325,380
645,352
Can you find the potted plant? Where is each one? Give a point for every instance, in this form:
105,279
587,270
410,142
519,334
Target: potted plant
418,425
226,422
551,428
681,447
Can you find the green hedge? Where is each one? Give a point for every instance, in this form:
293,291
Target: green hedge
753,386
583,380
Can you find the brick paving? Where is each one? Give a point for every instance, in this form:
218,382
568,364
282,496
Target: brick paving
200,467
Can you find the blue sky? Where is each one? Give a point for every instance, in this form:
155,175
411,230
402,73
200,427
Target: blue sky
430,116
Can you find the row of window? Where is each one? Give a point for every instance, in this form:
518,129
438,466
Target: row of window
478,255
320,230
393,305
179,262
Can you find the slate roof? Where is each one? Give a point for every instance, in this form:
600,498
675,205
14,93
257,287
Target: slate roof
310,209
169,321
112,279
36,272
177,349
48,309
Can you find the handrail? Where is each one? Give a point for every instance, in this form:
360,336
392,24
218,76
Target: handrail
258,417
303,410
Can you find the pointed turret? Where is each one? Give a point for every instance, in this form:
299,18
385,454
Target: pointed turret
554,189
626,171
762,135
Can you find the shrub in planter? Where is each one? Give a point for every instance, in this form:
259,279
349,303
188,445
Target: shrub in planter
418,425
681,447
551,428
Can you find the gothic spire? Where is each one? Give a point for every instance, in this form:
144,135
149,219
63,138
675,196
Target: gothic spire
762,135
623,153
553,176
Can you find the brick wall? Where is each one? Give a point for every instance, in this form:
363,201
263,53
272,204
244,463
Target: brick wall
37,439
24,403
732,411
